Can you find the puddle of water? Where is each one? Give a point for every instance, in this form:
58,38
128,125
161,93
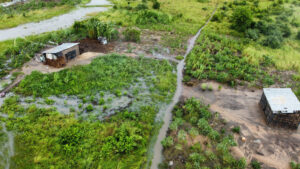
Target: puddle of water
166,114
6,147
53,24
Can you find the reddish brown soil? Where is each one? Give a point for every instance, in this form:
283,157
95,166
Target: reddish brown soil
93,45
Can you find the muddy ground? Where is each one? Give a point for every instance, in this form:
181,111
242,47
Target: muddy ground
272,146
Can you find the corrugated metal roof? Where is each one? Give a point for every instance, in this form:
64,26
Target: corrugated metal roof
282,100
61,47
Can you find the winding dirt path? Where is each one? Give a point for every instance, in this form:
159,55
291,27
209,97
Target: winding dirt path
167,113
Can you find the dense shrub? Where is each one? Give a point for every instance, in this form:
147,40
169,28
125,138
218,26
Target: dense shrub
252,34
96,28
167,142
141,6
132,34
153,17
274,39
156,5
241,19
217,17
298,35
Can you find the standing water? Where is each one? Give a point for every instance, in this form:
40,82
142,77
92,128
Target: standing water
157,158
6,147
53,24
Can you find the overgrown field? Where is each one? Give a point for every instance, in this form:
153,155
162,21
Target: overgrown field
34,11
198,138
46,138
179,19
250,42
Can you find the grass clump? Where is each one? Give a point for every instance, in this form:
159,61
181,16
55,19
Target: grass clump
153,17
179,57
132,34
204,86
236,129
255,164
295,165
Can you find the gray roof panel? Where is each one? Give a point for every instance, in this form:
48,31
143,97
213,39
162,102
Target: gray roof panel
282,100
61,47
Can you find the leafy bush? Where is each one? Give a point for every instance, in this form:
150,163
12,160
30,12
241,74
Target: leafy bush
132,34
124,140
273,40
298,35
153,17
252,34
204,126
203,86
241,19
96,28
156,5
217,17
236,129
294,165
89,108
141,6
167,142
255,164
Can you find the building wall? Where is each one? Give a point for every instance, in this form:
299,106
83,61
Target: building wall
76,48
287,120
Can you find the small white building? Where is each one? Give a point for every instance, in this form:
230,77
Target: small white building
281,107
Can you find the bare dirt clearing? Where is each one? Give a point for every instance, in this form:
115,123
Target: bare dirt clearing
35,65
274,147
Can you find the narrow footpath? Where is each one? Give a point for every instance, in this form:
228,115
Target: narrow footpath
157,154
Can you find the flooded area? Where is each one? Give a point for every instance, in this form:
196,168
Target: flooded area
6,146
55,23
272,146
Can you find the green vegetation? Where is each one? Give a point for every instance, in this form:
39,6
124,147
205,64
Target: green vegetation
264,41
182,17
295,165
236,129
98,76
47,138
255,164
14,53
220,58
132,34
34,11
211,151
